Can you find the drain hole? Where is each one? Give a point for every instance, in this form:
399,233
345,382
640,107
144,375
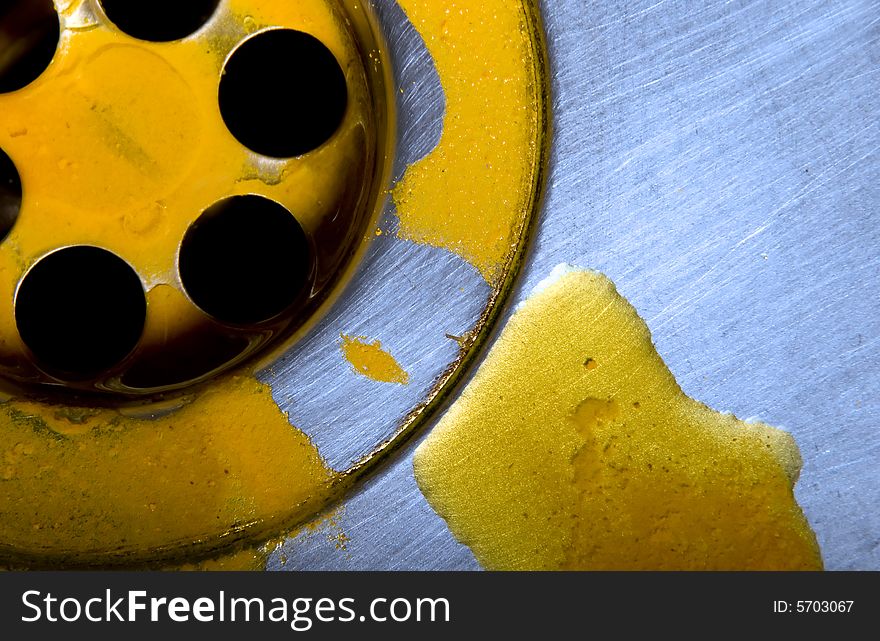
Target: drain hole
10,195
159,20
80,310
245,260
29,32
283,93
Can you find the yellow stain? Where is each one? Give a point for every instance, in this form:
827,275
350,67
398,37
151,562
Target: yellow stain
91,480
120,144
545,463
246,560
372,361
489,133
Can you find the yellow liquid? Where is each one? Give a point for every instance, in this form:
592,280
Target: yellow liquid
574,448
472,194
370,360
120,144
82,483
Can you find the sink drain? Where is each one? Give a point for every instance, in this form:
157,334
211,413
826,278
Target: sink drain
232,157
209,219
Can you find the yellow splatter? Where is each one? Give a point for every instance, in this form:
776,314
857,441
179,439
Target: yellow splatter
84,484
547,464
372,361
490,133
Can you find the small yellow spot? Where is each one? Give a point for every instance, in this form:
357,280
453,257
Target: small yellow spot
340,539
143,220
372,361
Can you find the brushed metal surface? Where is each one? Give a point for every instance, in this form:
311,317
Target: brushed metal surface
407,296
719,161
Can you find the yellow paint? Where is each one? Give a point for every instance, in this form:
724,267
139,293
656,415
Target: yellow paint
88,481
471,195
372,361
545,463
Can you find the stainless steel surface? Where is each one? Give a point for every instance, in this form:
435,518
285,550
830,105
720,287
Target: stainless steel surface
719,161
407,296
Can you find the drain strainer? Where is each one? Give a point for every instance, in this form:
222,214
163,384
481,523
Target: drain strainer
192,179
196,195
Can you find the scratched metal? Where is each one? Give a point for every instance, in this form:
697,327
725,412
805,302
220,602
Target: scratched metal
719,161
408,296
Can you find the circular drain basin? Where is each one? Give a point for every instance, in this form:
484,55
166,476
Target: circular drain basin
232,159
196,215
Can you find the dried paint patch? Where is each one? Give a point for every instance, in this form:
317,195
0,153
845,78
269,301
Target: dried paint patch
471,195
87,482
548,463
372,361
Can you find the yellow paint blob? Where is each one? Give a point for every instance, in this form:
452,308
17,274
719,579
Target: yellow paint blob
89,481
548,462
472,194
372,361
